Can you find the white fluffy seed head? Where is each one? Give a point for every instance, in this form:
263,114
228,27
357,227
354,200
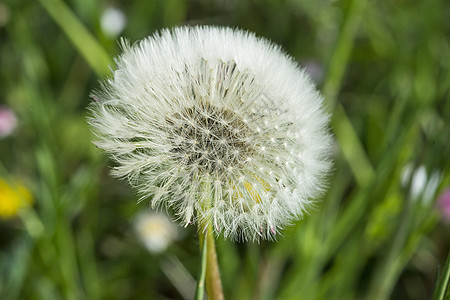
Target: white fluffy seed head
217,124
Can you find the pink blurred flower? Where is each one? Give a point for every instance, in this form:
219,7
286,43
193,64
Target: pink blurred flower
443,205
314,69
8,121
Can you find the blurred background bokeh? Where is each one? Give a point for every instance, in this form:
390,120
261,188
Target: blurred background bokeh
68,230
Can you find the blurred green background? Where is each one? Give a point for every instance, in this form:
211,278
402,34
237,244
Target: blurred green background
71,231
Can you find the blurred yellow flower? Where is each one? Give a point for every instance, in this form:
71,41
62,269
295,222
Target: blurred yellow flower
13,197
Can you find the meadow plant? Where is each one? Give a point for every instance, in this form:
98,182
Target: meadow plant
217,125
208,124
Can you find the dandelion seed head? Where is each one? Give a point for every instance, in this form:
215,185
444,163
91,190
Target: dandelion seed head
217,124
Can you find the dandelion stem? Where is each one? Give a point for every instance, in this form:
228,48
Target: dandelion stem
213,281
210,267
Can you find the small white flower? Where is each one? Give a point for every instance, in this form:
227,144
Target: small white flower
418,182
314,69
422,186
217,124
156,231
113,21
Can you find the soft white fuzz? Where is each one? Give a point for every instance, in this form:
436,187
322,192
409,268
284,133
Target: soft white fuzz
155,230
217,124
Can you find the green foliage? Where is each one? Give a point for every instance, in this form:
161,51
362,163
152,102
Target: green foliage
384,67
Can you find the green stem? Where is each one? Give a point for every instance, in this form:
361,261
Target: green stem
210,268
213,282
206,236
444,282
341,53
200,291
82,39
351,146
385,273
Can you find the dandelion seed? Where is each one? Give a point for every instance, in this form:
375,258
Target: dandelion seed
189,108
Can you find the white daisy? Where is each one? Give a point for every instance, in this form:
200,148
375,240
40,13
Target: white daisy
217,124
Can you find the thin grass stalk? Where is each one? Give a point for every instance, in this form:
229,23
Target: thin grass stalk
444,282
200,290
82,39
